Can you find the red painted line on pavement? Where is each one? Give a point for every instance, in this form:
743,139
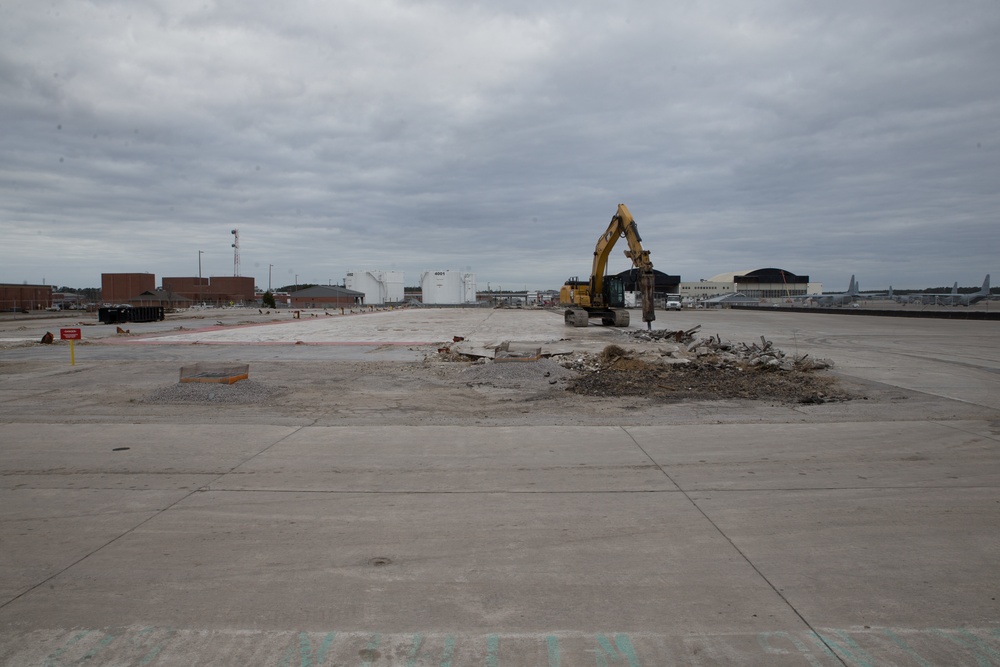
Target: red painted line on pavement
163,337
161,341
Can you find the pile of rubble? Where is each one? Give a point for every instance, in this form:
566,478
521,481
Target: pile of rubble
765,355
722,352
678,366
680,336
705,369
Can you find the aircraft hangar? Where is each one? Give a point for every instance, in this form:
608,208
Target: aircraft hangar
765,283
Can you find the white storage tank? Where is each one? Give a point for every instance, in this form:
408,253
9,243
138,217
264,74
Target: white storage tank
448,287
379,287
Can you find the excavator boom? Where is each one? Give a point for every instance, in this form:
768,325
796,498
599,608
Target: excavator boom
622,225
600,299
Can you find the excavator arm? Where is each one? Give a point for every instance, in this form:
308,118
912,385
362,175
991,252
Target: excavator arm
623,226
605,298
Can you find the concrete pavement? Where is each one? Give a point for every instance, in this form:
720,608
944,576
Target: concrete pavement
871,541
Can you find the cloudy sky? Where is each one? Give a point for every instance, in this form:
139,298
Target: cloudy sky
499,137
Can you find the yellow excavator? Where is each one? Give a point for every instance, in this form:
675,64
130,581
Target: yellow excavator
604,296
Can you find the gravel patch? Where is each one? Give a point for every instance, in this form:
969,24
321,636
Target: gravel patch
530,375
239,393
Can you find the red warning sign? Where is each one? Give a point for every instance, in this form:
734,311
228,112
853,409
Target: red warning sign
70,334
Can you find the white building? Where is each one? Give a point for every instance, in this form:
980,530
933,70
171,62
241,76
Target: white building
447,287
379,287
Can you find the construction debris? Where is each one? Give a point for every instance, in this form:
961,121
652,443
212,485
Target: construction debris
706,368
523,352
677,365
680,336
463,350
717,349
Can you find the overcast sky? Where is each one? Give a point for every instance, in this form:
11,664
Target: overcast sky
499,137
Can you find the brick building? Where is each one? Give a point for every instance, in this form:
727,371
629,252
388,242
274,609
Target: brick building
25,298
120,288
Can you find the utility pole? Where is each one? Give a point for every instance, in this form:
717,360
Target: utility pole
269,267
201,295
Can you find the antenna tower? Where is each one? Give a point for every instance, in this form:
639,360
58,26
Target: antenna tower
236,252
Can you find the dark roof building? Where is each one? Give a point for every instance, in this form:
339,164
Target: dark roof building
665,283
326,296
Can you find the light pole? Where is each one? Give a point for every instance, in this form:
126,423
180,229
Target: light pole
269,267
201,296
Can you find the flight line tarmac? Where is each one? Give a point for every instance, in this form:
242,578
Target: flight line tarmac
375,523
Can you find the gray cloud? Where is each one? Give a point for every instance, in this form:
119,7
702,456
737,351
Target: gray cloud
854,138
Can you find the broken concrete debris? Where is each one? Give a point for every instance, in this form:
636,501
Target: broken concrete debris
677,365
507,351
723,351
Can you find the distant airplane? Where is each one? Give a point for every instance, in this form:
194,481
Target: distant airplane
956,299
835,299
931,298
902,298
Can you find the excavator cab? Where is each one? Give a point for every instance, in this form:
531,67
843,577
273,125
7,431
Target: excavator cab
614,292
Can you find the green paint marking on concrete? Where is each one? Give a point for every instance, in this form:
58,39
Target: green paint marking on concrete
824,648
901,643
624,644
850,650
604,651
449,651
286,659
324,648
764,639
307,657
151,656
622,650
157,648
50,660
101,645
371,649
980,643
553,646
414,649
492,651
981,659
